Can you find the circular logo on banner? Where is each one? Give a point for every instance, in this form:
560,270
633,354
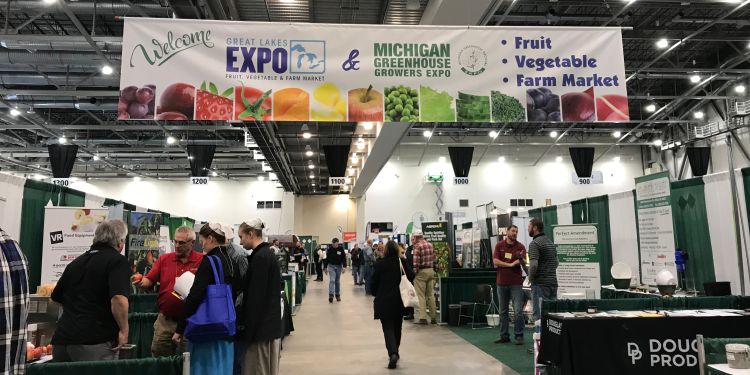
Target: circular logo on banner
473,60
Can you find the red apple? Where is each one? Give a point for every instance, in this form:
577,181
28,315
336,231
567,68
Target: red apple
579,106
365,104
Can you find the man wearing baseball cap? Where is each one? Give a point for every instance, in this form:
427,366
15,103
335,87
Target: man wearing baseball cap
424,281
262,308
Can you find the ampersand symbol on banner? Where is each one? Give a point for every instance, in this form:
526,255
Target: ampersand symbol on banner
350,63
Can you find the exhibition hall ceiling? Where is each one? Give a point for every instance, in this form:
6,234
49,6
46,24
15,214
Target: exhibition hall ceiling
681,57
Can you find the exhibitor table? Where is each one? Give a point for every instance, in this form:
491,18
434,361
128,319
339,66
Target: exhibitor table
636,345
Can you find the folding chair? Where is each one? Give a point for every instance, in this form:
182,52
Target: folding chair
483,296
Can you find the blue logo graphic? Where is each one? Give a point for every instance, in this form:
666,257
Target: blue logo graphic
350,63
307,56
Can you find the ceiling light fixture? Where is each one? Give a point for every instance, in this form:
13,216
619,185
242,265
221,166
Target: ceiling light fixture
662,43
441,159
427,134
493,134
272,176
650,108
49,2
658,143
616,159
616,134
553,134
501,159
306,132
360,144
214,174
313,184
740,89
171,140
39,177
96,158
368,125
107,70
312,175
699,115
261,178
311,166
308,150
355,159
558,159
351,171
14,112
137,179
695,78
62,140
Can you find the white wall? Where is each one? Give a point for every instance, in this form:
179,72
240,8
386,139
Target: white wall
230,202
322,215
399,192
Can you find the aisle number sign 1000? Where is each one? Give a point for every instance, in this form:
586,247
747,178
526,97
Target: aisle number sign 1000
177,70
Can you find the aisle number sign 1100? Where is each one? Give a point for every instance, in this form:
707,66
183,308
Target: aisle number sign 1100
338,181
209,70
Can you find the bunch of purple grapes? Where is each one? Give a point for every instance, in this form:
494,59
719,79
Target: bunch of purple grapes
136,103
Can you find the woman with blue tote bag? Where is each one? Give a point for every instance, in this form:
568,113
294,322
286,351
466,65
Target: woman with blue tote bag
210,341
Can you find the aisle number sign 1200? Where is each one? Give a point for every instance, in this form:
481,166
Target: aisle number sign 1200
199,180
216,70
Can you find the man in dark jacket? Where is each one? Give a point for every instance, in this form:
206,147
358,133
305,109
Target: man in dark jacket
336,260
262,309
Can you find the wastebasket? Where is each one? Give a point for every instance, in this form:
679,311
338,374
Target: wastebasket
453,311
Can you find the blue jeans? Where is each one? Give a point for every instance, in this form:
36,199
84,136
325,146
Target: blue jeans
367,275
356,274
504,294
539,293
334,275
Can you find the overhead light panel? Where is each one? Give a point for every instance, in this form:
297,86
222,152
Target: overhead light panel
14,112
351,171
306,131
261,178
96,158
39,177
355,159
272,176
501,159
493,134
137,179
740,89
699,115
312,175
107,70
214,174
368,125
695,78
360,144
308,151
558,159
310,165
616,134
49,2
427,134
171,140
658,143
662,43
553,134
650,108
62,140
616,159
441,159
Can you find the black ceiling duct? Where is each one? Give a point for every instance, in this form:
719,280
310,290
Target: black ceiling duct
62,158
336,159
200,157
699,158
583,160
461,160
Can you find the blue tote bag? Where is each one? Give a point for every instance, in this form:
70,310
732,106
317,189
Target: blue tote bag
215,318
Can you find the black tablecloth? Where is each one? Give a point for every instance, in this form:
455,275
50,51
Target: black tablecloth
584,346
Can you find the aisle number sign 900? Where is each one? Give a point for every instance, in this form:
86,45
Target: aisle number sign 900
199,180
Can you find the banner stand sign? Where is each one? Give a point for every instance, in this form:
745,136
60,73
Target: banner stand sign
144,237
655,226
436,233
177,70
68,233
578,251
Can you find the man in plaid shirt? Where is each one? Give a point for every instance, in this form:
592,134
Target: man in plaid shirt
424,282
14,307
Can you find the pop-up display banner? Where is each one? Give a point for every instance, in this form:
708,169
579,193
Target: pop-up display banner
68,233
579,252
436,233
653,197
217,70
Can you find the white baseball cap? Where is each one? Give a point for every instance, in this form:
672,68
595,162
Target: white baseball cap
256,224
228,231
418,233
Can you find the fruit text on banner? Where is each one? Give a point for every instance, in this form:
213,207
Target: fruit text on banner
216,70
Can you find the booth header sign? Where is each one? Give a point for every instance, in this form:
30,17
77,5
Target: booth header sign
217,70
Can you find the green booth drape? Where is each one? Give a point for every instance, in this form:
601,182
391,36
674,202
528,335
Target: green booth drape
595,210
160,366
143,303
141,333
691,230
36,195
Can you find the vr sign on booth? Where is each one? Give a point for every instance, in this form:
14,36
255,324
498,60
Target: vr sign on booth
216,70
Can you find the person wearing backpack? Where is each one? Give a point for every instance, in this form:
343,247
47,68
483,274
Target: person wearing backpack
213,356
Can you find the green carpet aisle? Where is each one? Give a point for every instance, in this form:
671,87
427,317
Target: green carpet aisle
516,357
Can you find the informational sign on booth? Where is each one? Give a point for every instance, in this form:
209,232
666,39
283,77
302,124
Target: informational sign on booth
578,251
143,240
176,70
68,233
350,236
436,233
655,225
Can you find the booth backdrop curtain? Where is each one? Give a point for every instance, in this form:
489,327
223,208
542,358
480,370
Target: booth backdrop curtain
176,222
564,214
623,231
596,211
723,243
141,333
579,211
161,366
36,195
692,233
11,199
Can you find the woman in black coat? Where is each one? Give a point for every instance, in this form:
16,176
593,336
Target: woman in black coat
388,305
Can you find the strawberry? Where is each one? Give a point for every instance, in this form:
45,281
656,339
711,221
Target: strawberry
209,105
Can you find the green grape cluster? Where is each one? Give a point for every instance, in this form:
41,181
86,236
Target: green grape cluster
401,104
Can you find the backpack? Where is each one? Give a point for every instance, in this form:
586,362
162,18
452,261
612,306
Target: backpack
215,318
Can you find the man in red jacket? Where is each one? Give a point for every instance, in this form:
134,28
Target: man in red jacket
509,257
165,271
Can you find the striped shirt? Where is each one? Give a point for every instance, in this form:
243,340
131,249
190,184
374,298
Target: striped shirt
543,258
14,307
424,255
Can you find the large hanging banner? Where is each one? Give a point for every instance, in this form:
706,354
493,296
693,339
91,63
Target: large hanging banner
578,251
655,226
436,233
217,70
144,236
68,233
